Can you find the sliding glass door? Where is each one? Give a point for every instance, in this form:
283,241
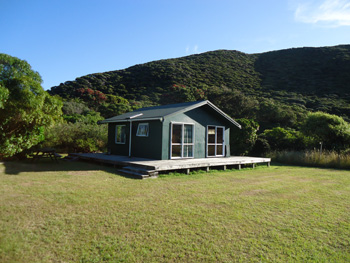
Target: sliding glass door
182,140
215,141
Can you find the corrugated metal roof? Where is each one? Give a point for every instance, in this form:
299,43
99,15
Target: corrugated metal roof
160,112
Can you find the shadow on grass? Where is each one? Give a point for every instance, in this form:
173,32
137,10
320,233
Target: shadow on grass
46,165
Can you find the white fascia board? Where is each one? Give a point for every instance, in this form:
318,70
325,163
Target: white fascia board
207,102
224,114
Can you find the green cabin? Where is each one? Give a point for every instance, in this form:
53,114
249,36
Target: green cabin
186,130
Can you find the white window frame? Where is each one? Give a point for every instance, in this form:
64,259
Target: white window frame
216,144
138,130
116,131
182,140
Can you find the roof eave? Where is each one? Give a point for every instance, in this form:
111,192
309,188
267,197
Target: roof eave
128,120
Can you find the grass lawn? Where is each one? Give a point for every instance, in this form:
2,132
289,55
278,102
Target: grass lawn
76,212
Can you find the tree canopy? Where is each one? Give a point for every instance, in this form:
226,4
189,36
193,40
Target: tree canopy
25,108
329,129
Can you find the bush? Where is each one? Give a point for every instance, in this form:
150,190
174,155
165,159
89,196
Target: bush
333,131
285,139
76,137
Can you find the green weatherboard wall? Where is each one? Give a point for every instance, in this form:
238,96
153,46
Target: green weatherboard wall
200,117
157,144
146,147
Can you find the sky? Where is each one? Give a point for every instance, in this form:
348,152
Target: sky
67,39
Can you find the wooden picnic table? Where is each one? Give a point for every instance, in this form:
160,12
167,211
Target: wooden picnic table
46,153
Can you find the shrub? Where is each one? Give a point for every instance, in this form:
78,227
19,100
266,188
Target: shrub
332,130
76,137
285,139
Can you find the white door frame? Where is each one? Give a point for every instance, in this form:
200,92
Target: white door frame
215,144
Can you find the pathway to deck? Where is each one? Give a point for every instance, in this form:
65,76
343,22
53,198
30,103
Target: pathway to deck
144,168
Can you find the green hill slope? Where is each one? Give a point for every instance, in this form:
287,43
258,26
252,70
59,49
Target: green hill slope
218,68
318,71
306,78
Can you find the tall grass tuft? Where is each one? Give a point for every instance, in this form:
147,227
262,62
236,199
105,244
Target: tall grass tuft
327,159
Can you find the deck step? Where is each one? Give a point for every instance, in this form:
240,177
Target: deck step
138,172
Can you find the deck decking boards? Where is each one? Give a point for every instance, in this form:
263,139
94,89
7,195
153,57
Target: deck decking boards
155,166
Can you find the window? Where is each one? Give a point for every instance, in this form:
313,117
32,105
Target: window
142,130
215,141
120,134
182,140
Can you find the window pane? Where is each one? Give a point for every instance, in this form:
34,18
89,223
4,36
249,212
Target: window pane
211,150
188,132
177,133
176,151
219,135
219,150
142,129
188,151
211,134
120,135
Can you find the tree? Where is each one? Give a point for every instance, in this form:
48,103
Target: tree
25,108
329,129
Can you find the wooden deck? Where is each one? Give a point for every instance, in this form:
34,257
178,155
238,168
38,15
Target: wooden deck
145,168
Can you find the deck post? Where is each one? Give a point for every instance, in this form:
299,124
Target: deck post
207,168
239,167
268,164
253,165
224,167
188,171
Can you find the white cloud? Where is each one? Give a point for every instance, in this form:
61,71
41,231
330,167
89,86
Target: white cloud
192,50
332,13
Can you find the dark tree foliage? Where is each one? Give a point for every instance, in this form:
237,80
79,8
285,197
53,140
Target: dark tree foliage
234,102
242,140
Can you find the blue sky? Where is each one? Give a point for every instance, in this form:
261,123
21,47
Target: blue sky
66,39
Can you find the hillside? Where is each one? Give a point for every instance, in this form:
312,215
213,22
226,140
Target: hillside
306,78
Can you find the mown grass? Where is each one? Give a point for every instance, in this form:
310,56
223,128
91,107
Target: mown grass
326,159
76,212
